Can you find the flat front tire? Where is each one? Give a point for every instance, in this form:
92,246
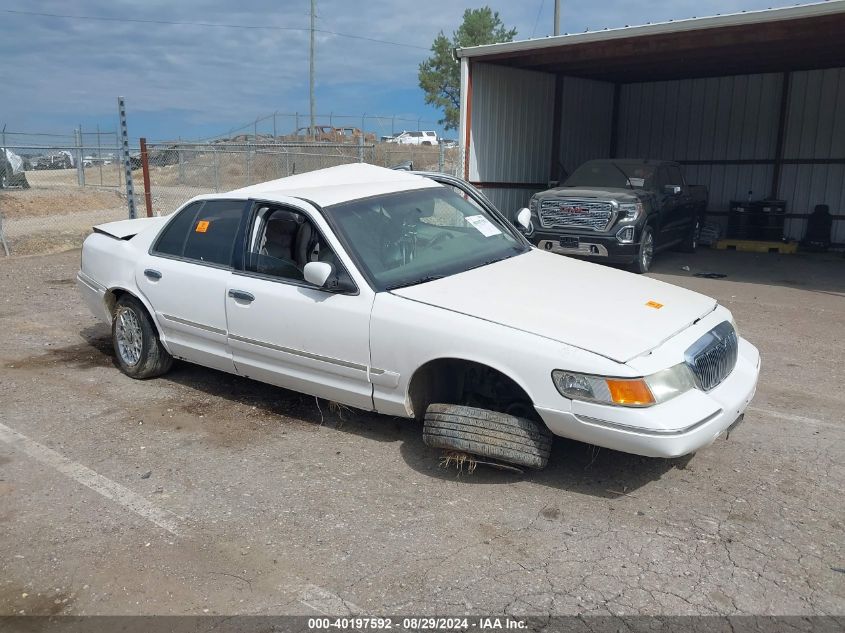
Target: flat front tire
138,350
498,436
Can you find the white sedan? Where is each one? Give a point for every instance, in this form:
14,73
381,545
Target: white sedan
410,295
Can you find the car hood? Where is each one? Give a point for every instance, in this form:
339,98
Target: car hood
614,193
610,312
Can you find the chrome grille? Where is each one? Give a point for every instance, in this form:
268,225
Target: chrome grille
712,357
557,213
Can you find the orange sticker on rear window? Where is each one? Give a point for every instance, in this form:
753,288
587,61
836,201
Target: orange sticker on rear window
654,304
202,226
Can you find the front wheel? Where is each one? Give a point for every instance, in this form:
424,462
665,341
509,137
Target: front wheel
137,347
499,436
645,254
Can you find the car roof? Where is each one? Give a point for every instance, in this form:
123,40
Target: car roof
333,185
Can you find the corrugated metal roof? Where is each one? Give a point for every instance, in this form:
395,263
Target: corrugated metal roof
829,7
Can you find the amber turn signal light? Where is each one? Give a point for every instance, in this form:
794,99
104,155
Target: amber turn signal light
630,392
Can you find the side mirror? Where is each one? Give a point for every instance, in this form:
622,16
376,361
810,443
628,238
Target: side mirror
317,273
672,190
524,218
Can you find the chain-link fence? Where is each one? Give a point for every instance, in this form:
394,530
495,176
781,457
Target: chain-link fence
180,171
54,188
64,185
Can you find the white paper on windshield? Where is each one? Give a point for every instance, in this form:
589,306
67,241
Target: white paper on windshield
636,182
483,225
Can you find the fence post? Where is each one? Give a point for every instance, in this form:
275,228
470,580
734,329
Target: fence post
441,157
3,235
181,163
216,170
80,168
248,166
99,156
145,167
361,147
127,163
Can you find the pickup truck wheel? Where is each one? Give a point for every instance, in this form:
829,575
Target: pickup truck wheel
645,255
138,350
500,436
691,243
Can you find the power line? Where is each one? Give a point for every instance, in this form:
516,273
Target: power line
537,19
99,18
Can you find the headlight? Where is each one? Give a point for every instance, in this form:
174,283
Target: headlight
625,392
532,205
630,211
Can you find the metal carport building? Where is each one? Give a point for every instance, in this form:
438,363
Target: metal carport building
749,102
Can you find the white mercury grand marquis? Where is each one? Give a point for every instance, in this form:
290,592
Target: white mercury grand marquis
411,295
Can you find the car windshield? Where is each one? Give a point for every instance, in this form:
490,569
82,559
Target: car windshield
406,238
608,173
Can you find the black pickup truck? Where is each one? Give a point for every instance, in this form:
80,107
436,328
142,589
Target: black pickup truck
619,211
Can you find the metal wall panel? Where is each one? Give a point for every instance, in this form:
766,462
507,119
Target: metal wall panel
815,129
511,124
586,121
714,118
736,118
509,200
707,119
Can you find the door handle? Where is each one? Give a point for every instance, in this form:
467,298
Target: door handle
240,295
152,274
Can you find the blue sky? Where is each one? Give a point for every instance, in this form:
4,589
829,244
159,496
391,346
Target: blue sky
194,81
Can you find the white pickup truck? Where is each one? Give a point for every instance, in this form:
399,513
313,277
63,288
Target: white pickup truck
415,138
412,296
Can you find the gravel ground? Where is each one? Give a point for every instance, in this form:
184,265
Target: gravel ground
200,492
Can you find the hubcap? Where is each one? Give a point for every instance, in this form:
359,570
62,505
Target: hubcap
129,336
648,251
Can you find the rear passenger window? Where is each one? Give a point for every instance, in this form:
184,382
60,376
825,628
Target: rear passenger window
172,240
204,232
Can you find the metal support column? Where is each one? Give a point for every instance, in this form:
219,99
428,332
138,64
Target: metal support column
127,162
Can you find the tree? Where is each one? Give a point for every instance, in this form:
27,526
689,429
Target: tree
440,74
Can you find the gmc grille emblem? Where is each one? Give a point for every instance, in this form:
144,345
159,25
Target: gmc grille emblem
574,210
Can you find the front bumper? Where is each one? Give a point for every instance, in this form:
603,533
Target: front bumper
601,247
677,427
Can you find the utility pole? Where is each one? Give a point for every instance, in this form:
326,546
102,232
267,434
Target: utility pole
557,17
311,69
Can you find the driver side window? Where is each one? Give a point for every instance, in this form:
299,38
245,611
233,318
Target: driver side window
282,242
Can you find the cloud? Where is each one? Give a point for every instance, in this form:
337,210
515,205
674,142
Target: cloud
57,71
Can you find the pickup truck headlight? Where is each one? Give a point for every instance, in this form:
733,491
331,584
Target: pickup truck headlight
625,392
630,211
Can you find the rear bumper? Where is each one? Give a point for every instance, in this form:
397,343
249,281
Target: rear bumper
600,247
94,296
678,427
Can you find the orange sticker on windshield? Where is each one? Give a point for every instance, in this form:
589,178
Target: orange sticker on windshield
654,304
202,226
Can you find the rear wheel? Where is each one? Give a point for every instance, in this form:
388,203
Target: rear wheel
503,437
645,254
137,347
